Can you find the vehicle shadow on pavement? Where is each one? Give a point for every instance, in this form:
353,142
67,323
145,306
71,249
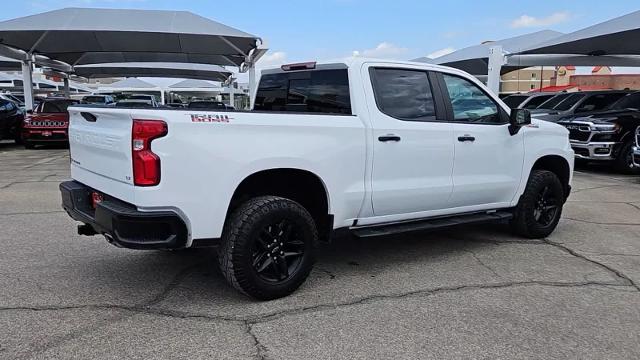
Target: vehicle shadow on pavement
341,266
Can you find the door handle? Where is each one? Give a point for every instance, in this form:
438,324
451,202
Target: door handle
466,138
389,137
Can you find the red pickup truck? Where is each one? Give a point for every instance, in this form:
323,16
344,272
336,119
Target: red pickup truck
49,123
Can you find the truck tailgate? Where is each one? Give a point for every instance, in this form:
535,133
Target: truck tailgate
100,146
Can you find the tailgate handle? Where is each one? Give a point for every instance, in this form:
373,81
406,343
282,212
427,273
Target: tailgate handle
89,116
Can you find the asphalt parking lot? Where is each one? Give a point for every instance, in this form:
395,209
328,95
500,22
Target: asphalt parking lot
474,292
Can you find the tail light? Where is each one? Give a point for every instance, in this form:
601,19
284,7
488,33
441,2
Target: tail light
146,164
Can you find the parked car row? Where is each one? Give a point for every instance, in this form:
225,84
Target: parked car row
49,121
602,124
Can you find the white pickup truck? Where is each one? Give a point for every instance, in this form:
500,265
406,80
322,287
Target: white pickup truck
365,147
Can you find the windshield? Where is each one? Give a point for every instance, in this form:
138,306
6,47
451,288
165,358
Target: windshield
57,106
568,103
536,101
631,101
554,101
513,101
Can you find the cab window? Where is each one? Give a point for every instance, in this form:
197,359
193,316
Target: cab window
470,103
404,94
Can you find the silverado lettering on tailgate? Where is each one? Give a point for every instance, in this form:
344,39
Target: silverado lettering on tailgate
93,139
210,118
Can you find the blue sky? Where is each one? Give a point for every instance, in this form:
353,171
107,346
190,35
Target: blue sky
403,29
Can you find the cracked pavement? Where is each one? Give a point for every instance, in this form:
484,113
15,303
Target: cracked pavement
472,292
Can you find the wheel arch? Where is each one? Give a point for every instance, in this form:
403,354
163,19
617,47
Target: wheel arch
300,185
557,165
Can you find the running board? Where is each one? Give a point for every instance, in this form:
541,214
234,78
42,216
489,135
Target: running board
430,224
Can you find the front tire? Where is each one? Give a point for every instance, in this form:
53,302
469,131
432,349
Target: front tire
540,207
624,162
268,247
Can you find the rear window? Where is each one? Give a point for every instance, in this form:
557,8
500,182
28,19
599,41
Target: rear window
318,91
94,99
206,105
513,101
57,106
140,97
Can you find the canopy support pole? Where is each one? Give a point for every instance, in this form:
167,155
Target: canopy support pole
231,94
496,60
252,85
67,91
27,84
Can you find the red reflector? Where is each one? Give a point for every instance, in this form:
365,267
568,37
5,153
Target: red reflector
96,198
146,164
299,66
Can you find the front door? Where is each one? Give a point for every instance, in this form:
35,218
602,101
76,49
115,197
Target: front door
488,159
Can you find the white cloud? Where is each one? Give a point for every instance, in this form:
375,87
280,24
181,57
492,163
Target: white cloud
525,21
441,52
272,59
384,50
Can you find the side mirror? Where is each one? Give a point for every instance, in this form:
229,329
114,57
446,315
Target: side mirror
518,119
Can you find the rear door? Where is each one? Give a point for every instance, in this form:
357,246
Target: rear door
100,144
412,144
488,159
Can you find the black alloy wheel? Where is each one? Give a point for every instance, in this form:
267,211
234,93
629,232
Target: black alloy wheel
546,207
277,252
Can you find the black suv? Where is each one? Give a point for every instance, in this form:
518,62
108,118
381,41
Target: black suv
11,118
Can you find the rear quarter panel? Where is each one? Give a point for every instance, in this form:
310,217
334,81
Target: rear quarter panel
203,162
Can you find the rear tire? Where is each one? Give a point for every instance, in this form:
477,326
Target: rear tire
540,207
268,247
624,162
29,146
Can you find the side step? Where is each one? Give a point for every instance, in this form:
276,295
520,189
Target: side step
430,224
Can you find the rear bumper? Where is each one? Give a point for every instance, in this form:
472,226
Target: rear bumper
123,224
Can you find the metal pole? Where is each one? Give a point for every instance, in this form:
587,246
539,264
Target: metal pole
496,60
541,77
27,84
252,85
231,93
67,91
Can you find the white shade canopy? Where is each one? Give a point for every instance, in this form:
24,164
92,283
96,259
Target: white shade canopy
132,83
151,69
83,36
617,36
474,59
